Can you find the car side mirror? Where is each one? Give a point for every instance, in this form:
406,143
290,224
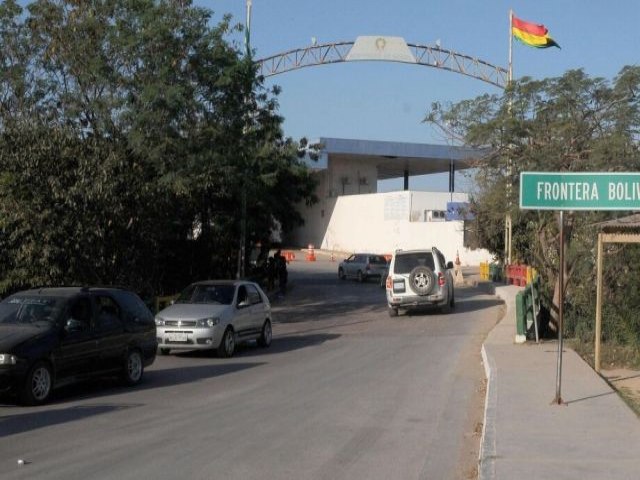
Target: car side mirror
449,265
243,303
73,325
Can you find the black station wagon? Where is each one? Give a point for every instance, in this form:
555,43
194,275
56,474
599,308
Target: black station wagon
53,336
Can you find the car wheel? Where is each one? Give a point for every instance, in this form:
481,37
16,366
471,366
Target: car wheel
446,308
227,345
165,351
393,312
360,276
38,384
422,280
133,368
341,274
450,304
266,335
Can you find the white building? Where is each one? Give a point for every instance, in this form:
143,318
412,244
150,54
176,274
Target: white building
351,216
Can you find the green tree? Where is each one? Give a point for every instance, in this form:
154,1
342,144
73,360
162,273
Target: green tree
141,125
573,123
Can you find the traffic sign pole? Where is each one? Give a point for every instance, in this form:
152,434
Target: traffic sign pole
558,399
571,191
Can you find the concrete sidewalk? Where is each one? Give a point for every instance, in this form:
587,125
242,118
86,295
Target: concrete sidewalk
594,436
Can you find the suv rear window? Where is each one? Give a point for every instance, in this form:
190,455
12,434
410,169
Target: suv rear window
408,261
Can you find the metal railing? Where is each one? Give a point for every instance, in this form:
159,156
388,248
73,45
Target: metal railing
425,55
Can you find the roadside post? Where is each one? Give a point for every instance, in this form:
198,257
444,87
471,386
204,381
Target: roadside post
571,191
533,306
558,398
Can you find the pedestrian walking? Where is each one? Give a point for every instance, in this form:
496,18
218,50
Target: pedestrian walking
271,273
281,269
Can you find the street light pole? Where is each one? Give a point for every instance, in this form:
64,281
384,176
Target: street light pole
241,270
247,29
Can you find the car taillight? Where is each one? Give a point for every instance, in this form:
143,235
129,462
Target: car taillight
441,279
389,280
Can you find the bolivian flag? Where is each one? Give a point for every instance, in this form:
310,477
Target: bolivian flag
532,34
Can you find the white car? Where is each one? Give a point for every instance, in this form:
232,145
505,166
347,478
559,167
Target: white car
215,315
363,266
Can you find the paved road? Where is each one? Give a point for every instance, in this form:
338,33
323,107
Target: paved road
344,392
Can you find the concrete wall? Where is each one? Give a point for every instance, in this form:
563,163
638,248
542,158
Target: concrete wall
351,176
380,223
342,178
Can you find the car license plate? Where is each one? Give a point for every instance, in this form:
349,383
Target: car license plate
177,337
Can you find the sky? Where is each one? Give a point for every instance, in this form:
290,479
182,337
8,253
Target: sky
387,101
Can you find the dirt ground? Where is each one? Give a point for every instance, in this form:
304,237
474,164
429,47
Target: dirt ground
468,468
627,383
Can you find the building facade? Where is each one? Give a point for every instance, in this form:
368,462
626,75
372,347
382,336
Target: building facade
352,216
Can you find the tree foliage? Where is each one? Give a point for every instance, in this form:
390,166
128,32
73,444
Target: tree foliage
129,130
572,123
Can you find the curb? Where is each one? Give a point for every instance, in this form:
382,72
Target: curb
488,448
487,455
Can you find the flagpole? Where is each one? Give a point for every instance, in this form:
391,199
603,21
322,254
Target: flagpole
509,186
510,74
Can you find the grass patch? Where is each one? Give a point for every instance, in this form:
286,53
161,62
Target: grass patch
611,355
630,397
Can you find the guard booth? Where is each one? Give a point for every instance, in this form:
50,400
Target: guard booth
620,230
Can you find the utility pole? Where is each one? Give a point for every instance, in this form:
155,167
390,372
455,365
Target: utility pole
241,270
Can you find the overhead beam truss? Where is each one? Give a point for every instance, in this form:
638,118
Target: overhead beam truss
426,55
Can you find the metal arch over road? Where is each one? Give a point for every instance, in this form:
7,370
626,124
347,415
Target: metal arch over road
381,48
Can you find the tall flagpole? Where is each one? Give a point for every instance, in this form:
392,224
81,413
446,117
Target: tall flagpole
510,74
509,186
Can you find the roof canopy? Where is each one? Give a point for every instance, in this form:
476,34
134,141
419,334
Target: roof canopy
394,158
628,224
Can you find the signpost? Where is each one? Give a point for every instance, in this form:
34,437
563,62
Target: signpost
577,191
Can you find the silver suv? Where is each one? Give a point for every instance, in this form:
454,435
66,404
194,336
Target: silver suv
419,278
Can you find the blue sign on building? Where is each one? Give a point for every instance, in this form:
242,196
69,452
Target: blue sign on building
458,211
